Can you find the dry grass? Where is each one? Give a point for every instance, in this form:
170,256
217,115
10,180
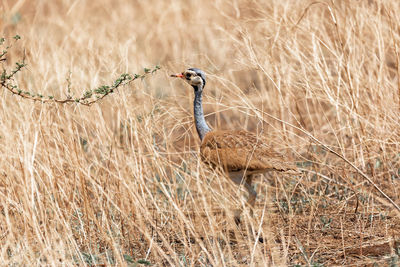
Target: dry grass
120,181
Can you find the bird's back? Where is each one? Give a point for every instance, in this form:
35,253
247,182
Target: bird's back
241,150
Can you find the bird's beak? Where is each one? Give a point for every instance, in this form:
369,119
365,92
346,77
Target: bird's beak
178,75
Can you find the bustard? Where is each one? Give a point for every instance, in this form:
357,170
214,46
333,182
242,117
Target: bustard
239,153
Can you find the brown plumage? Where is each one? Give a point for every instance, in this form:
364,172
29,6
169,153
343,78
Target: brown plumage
239,153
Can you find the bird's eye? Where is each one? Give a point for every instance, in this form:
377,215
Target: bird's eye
188,75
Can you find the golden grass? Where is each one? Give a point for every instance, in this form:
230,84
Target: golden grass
120,181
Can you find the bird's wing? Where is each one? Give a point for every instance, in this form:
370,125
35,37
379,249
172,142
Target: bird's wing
241,150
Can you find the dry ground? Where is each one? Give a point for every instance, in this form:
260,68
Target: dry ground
120,182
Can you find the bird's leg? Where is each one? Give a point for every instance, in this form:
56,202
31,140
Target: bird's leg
251,201
252,193
236,215
239,178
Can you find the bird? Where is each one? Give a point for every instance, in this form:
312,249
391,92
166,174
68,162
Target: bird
239,153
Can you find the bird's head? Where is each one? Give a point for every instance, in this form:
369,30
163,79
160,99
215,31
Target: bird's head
194,77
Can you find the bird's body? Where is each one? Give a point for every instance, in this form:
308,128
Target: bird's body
239,153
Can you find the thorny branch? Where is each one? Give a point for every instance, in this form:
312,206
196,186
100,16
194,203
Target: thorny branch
88,98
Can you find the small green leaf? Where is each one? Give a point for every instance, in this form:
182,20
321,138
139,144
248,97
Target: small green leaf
145,262
87,94
20,65
102,90
17,37
128,258
3,75
157,67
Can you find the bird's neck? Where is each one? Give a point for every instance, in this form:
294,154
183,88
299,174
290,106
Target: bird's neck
201,124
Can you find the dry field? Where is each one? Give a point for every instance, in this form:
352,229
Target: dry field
120,182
